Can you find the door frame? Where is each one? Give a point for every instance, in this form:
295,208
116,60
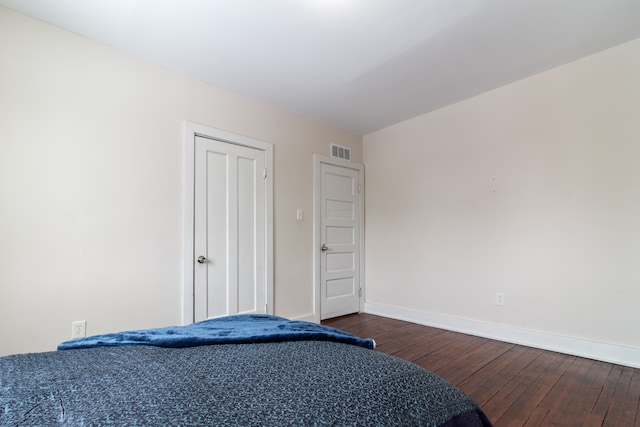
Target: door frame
319,159
191,131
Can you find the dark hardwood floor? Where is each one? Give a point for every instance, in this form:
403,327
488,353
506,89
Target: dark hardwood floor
514,385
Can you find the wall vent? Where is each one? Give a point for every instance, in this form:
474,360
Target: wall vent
340,152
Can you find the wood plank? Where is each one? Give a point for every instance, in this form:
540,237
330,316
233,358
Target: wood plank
598,377
615,413
562,399
432,348
482,385
631,405
606,394
593,420
459,370
536,419
524,392
457,347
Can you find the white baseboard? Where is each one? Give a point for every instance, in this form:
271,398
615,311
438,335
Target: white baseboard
627,356
306,318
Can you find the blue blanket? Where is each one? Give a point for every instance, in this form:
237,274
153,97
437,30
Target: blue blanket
238,329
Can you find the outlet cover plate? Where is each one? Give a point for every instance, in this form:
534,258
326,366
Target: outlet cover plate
79,329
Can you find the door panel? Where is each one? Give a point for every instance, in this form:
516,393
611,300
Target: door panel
339,183
340,235
216,235
229,229
338,288
340,262
337,209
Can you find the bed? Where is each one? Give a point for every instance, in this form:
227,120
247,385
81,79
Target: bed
245,370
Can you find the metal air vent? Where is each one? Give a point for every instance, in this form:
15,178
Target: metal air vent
340,152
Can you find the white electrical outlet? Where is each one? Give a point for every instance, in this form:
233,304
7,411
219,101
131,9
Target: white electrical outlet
499,298
79,329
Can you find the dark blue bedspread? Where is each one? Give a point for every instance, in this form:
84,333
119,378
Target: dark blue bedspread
262,371
283,384
238,329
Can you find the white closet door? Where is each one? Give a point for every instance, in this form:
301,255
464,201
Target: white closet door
229,229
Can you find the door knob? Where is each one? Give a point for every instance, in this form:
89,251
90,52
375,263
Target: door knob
324,248
202,259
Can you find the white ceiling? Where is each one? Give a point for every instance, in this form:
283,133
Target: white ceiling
359,65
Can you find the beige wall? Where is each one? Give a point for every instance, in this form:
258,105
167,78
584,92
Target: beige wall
91,179
532,189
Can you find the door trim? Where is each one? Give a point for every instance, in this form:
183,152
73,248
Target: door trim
319,159
191,130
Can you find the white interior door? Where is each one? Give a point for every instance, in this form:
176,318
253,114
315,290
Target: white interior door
340,229
229,229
